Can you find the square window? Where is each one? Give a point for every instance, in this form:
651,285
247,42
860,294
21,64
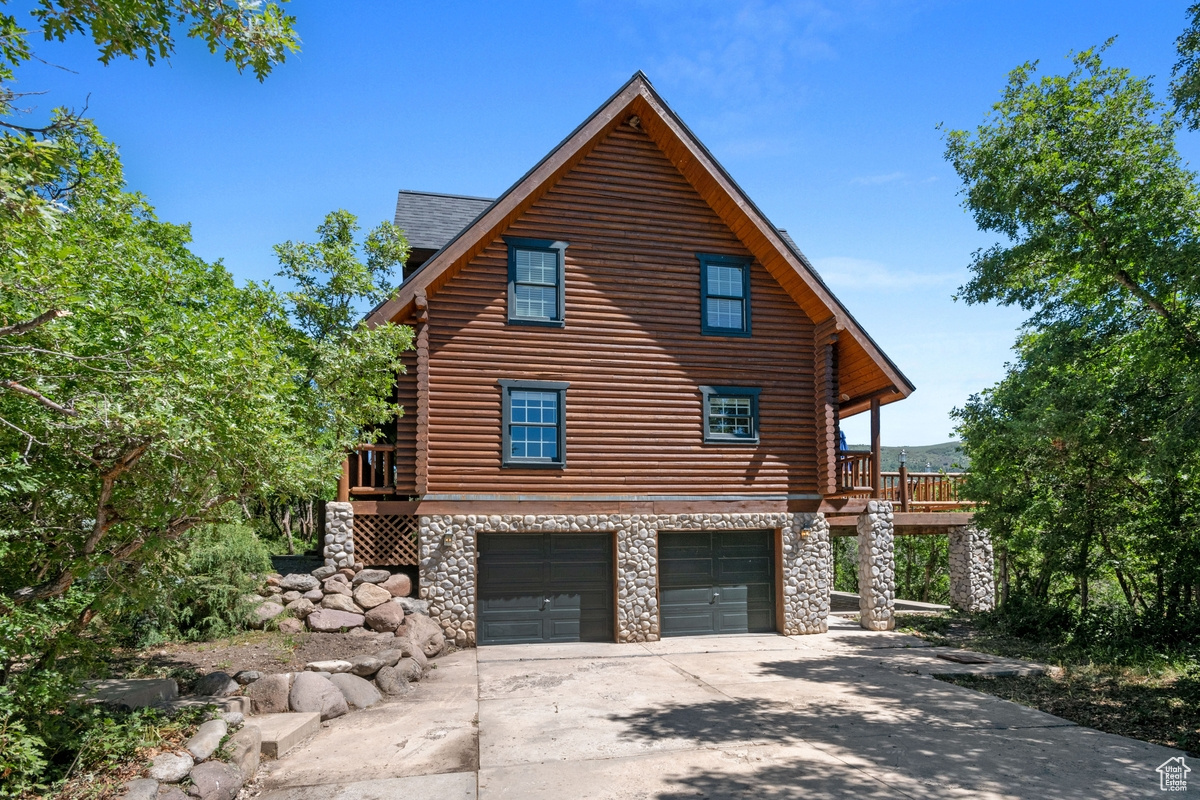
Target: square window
535,281
730,414
533,430
724,295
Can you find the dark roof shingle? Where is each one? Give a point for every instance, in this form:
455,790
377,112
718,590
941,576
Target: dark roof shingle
429,220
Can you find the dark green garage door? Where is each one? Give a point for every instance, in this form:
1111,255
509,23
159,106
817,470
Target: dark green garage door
545,587
716,582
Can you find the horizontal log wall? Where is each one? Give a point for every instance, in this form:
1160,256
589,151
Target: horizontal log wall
631,348
406,427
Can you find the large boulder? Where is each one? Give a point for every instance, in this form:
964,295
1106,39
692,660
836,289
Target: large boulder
299,582
215,684
412,605
340,602
391,682
290,625
245,748
364,666
207,739
329,620
371,576
312,692
264,614
269,694
300,608
390,656
385,617
313,595
409,650
332,666
424,633
140,789
247,676
170,793
215,780
409,669
171,767
368,595
359,692
399,585
332,586
291,597
321,573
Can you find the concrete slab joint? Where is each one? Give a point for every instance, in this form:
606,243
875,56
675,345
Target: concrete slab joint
339,535
448,564
972,569
876,567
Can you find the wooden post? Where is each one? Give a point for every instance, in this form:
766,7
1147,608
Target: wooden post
343,494
903,487
876,446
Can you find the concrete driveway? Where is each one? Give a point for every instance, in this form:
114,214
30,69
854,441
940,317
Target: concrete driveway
850,714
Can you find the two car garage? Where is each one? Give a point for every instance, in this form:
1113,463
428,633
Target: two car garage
559,587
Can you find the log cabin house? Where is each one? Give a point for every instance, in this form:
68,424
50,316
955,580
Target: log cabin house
621,417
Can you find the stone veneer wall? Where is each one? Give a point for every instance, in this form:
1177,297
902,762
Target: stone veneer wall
876,567
972,569
448,571
339,535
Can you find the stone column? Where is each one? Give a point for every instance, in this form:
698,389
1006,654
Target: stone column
806,563
447,555
339,535
637,581
876,567
972,571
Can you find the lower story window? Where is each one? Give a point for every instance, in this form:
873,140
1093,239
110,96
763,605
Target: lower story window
730,414
534,417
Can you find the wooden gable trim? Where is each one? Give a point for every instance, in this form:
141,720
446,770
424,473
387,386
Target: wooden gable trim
866,370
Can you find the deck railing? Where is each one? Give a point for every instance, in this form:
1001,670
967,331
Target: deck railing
372,469
854,470
925,491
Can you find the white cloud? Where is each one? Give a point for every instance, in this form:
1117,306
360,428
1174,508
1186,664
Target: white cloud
843,272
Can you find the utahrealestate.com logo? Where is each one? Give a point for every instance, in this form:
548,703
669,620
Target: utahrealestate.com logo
1172,775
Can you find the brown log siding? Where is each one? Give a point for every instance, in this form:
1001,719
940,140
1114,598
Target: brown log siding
631,348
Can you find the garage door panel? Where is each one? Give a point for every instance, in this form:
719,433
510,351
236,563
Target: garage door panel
716,582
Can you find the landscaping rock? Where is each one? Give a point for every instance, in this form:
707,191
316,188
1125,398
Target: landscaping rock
215,780
247,676
170,793
141,789
171,767
310,692
234,719
321,573
399,585
409,669
340,577
273,580
359,692
300,608
291,625
347,573
331,667
368,595
131,692
412,605
269,694
328,620
386,617
291,597
364,666
207,739
391,682
390,656
365,632
340,602
313,596
299,582
424,633
245,750
334,586
371,576
265,613
216,684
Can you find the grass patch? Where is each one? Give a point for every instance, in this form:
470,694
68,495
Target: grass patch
1130,690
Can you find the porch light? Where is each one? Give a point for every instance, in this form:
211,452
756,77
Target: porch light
447,540
903,456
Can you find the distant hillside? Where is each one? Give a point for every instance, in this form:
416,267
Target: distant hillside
947,456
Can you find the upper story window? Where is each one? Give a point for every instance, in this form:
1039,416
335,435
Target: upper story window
535,281
724,295
534,423
730,414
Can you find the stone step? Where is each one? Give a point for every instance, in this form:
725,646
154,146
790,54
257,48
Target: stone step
131,693
236,703
282,732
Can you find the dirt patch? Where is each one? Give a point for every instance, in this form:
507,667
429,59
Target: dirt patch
265,651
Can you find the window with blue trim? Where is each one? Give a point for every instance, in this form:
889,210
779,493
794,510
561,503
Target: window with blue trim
535,281
730,414
534,429
724,295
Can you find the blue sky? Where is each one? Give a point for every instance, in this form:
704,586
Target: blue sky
825,113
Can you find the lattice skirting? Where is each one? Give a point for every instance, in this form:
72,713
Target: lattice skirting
385,539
